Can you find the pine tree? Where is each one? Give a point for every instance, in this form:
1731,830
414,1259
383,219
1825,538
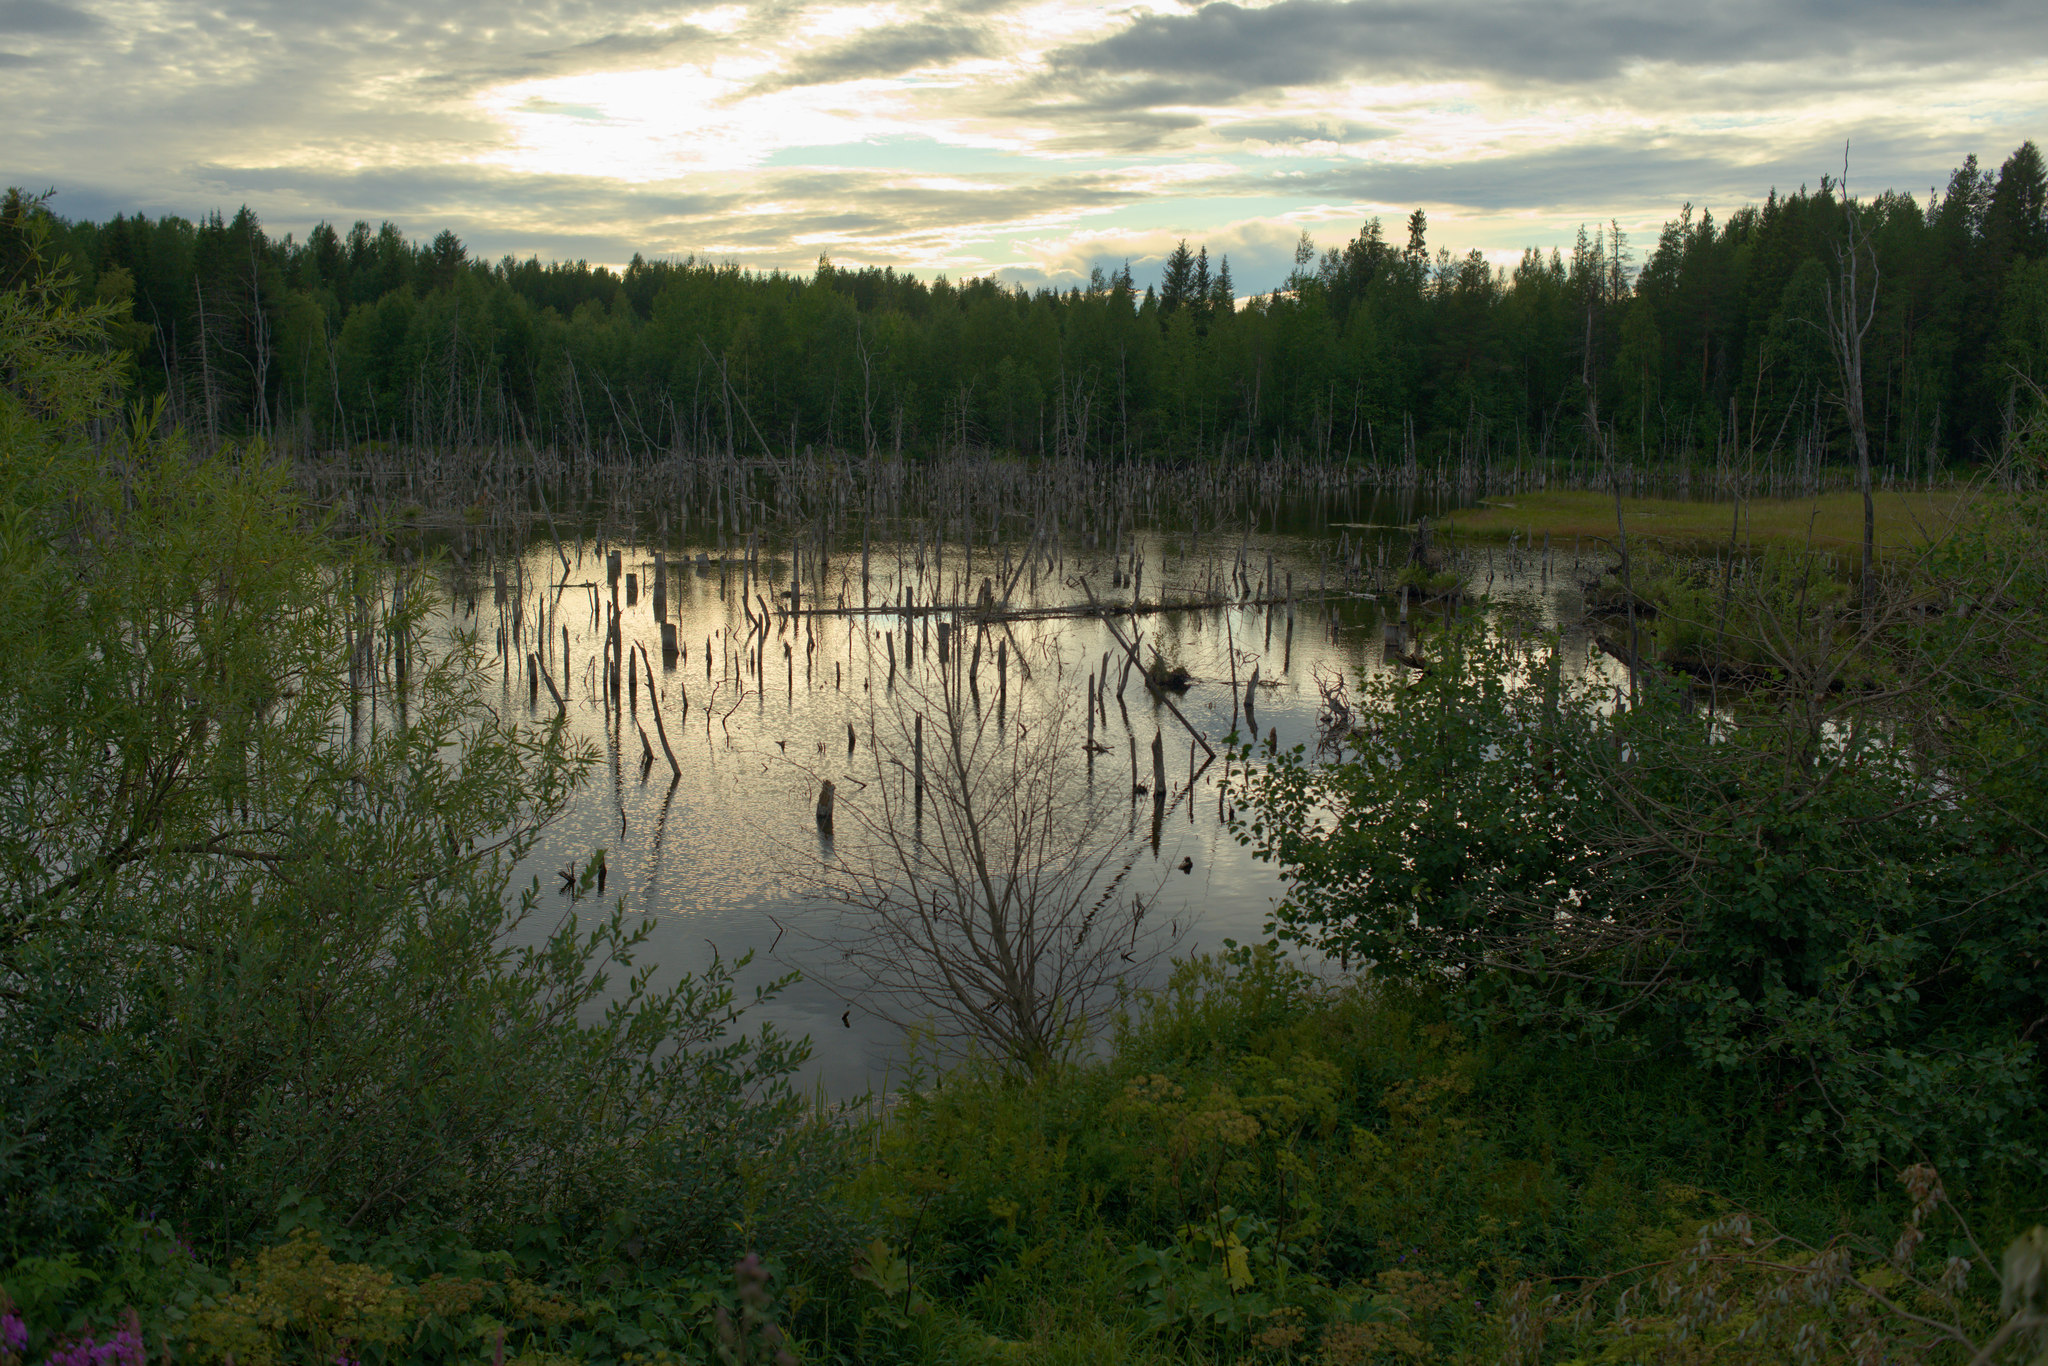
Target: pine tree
445,259
1177,280
2016,218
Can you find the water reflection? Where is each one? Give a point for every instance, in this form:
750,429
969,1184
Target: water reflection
757,707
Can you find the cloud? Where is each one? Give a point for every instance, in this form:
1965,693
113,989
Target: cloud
1593,179
1295,131
768,128
1135,117
885,52
778,219
619,50
1296,43
43,18
435,194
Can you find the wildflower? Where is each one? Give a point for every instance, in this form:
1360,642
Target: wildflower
13,1334
754,1337
122,1349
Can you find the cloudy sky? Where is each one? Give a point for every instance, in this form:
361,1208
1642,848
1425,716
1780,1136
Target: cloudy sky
1025,138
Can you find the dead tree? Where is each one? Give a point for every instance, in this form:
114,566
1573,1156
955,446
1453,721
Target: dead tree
997,912
1850,301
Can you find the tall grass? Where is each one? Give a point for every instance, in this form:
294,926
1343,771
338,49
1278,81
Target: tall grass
1829,521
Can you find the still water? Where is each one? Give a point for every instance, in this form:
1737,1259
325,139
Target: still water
717,857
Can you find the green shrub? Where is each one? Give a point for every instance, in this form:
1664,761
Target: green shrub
1822,891
256,952
1278,1165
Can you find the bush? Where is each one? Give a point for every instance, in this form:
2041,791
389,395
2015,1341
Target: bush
256,841
1831,892
1272,1165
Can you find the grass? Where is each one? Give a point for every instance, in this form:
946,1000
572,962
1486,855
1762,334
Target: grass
1831,521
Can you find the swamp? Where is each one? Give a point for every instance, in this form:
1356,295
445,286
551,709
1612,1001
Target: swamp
488,883
1260,616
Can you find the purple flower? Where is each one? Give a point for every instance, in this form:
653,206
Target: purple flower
13,1334
123,1349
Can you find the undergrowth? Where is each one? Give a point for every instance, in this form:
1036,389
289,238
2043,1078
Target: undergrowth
1266,1166
1276,1167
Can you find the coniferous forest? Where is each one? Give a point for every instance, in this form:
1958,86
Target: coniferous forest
1705,340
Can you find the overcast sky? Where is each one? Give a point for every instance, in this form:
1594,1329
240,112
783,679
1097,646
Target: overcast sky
1029,139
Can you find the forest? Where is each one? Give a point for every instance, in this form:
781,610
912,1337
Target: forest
1389,346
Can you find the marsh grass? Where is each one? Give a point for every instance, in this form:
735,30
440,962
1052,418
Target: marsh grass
1829,522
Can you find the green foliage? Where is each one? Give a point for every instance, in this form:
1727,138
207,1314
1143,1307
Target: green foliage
1825,893
1275,1166
367,335
1432,583
1223,1276
257,953
1267,1166
1737,618
302,1298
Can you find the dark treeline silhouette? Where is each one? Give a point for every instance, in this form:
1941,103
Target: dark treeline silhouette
1706,343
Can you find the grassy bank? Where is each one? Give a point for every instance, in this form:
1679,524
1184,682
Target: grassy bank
1831,521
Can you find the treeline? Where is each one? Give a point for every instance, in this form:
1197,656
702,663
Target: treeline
1707,344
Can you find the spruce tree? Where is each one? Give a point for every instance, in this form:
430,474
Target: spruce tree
1176,282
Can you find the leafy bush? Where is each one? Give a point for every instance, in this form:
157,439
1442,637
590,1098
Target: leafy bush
1735,616
1833,893
1273,1165
255,958
1268,1166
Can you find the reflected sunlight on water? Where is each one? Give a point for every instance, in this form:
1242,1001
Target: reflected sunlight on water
712,857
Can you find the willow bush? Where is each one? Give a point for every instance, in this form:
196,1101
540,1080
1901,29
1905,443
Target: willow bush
255,951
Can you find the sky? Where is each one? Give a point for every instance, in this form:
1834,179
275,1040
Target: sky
1025,139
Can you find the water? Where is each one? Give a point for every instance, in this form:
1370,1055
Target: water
716,860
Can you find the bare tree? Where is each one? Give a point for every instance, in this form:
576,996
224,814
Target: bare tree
992,905
1851,306
867,356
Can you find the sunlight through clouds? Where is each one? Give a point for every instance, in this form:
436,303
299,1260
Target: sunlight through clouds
992,137
654,125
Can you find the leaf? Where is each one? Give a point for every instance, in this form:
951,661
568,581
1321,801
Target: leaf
878,1266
